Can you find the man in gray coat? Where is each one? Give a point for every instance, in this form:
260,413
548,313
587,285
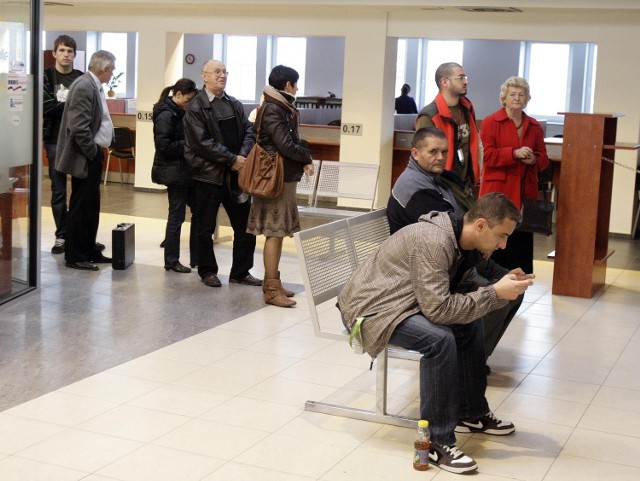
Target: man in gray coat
85,129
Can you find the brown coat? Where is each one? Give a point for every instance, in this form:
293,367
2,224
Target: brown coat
411,273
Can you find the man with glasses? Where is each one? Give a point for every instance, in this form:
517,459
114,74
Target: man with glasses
218,138
452,112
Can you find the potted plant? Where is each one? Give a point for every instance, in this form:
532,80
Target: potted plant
113,83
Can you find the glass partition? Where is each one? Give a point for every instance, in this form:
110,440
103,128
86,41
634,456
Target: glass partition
19,147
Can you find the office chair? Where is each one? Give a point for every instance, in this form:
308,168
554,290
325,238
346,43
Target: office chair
122,147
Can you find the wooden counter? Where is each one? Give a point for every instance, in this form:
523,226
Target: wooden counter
325,145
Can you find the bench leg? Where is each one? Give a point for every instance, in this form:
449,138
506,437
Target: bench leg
380,415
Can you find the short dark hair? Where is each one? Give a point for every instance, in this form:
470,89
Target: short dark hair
495,207
65,40
406,88
424,133
444,71
280,75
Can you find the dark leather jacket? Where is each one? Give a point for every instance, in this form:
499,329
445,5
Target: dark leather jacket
279,131
204,148
169,166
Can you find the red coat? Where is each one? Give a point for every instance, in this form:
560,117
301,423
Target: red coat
501,171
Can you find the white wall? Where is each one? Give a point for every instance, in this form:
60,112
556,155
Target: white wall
368,90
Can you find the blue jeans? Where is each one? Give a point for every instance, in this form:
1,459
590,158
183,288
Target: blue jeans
453,380
58,192
179,198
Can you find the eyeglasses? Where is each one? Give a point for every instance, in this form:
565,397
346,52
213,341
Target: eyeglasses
462,78
218,73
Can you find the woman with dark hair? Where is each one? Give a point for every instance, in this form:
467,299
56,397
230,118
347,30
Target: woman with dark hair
170,169
404,103
277,130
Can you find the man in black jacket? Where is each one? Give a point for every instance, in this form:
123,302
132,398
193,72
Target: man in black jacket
426,186
218,138
57,80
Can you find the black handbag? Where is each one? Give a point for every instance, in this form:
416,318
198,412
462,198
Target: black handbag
537,214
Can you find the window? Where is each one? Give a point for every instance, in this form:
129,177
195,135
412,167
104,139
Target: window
241,56
292,52
116,43
401,64
547,69
561,78
437,53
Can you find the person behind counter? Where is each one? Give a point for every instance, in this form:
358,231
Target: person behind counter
404,103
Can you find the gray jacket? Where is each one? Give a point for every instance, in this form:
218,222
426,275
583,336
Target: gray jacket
79,125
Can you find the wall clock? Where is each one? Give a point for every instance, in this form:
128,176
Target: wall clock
189,58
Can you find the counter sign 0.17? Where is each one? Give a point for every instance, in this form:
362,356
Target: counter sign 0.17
351,129
144,116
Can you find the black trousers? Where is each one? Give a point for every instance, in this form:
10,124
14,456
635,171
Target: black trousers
180,197
518,253
58,192
208,200
84,214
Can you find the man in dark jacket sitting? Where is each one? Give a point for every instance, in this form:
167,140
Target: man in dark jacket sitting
426,186
218,138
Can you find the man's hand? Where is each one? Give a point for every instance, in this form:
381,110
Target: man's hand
510,287
520,275
308,169
238,163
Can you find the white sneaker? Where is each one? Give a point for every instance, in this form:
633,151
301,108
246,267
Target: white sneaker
451,458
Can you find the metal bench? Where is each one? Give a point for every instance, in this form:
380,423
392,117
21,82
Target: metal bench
328,254
342,180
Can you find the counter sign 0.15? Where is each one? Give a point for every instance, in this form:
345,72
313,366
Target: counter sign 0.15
145,116
351,129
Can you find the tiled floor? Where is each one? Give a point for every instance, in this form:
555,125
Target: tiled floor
207,384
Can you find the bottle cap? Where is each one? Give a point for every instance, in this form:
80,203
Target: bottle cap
423,424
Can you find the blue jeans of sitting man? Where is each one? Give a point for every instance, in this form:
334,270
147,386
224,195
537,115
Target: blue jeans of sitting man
453,379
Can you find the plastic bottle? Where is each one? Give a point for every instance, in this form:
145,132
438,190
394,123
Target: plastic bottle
422,445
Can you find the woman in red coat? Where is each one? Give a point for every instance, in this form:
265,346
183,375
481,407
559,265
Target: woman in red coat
514,153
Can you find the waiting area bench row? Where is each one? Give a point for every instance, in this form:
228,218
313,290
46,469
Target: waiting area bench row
333,180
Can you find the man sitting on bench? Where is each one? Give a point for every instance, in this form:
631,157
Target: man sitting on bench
425,186
411,293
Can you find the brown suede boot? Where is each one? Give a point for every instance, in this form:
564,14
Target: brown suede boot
286,291
273,294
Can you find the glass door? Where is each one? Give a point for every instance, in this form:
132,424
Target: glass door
19,146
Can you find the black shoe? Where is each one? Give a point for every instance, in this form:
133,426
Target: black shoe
58,246
177,267
99,246
101,260
249,280
82,265
211,280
